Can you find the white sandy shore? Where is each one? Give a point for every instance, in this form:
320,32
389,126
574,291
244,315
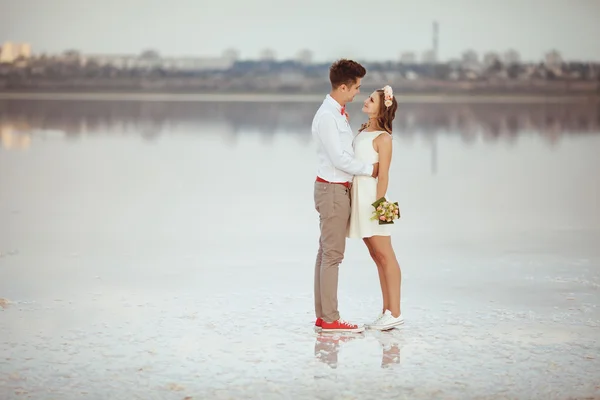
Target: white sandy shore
124,276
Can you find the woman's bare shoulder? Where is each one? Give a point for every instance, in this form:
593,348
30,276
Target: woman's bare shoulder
384,137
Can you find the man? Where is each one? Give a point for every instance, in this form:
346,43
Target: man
337,166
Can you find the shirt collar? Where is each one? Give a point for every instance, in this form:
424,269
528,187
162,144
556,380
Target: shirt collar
330,100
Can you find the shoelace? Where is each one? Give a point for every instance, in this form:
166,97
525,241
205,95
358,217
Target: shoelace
378,318
345,323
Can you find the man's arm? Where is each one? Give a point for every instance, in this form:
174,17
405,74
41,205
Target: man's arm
328,134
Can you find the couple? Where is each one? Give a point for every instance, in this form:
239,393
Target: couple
353,172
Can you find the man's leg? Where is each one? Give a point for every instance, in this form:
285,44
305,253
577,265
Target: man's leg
333,204
321,202
318,309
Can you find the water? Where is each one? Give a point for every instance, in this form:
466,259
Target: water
166,250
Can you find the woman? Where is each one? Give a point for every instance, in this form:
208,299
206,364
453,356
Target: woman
374,144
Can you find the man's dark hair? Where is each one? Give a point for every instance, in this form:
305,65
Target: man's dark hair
345,72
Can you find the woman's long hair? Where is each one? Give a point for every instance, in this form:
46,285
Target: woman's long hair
383,121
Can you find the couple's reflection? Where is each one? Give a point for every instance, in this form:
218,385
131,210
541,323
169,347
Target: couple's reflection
327,346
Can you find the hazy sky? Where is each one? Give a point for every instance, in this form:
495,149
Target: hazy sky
373,29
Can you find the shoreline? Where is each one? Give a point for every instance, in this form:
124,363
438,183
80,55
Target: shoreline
288,98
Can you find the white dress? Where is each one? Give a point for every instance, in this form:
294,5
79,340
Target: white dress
364,191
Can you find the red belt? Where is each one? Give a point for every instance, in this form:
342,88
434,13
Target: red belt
347,184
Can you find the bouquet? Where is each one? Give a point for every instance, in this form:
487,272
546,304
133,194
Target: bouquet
385,211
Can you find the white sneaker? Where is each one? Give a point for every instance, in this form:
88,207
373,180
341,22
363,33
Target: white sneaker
387,321
375,320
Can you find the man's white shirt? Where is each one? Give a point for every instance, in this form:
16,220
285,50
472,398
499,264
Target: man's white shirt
333,134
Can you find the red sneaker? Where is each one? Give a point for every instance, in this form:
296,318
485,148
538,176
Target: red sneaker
340,326
318,324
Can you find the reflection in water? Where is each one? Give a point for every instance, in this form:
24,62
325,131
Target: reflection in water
151,119
14,138
122,242
327,347
391,346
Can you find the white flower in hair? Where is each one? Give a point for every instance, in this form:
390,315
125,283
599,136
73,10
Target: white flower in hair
388,95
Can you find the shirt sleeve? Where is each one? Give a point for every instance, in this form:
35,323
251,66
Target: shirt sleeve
329,136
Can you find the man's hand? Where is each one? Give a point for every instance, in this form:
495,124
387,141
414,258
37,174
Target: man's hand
375,170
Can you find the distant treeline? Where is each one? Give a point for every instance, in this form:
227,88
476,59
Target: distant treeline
64,74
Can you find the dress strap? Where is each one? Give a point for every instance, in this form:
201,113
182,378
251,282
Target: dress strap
379,133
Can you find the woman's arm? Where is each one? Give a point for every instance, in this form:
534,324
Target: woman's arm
384,148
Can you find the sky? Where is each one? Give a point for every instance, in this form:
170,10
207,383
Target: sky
366,30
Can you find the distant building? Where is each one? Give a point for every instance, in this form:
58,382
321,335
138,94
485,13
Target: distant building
231,54
408,57
470,60
374,78
267,55
490,58
116,60
304,57
511,57
470,57
428,57
177,63
412,75
553,58
291,77
12,51
197,63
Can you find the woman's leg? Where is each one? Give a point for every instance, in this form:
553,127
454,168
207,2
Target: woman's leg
384,253
380,272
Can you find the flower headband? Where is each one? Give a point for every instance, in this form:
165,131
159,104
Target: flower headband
388,94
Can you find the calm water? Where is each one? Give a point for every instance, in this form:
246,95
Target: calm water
166,249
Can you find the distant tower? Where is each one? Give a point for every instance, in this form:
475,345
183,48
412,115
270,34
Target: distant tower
435,41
